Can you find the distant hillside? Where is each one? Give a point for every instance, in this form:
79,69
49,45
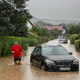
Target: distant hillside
53,21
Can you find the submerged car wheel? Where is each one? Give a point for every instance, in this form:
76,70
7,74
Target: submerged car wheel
43,67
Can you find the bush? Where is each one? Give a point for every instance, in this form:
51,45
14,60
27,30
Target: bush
79,35
21,41
40,40
77,44
43,39
1,47
33,42
76,37
7,42
72,38
52,38
24,43
32,36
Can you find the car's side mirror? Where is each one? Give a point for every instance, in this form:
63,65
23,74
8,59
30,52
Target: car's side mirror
70,53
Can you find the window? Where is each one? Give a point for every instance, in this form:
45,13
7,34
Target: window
54,51
35,50
39,50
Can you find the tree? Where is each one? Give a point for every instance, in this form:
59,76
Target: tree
6,11
36,30
54,33
20,17
64,24
19,20
78,23
74,29
45,32
13,21
19,3
41,24
22,31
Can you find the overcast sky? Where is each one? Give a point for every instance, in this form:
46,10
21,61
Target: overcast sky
55,9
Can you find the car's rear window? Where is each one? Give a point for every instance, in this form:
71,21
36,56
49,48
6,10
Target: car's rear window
54,51
62,40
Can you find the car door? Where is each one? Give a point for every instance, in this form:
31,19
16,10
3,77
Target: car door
36,57
33,56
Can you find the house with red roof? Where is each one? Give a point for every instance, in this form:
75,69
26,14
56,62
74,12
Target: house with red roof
61,29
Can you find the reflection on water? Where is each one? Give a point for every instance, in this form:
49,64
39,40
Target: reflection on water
29,72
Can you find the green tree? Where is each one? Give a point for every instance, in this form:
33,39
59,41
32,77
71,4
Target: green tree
41,24
6,11
19,3
78,23
13,20
19,20
54,33
74,29
45,32
65,25
36,30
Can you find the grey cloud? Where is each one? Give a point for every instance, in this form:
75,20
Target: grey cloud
55,9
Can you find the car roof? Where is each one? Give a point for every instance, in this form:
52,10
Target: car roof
64,38
49,45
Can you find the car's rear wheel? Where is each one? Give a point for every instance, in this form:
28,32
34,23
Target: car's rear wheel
43,67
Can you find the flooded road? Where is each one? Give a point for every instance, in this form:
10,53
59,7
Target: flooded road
8,71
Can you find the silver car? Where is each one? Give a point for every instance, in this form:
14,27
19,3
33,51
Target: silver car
63,40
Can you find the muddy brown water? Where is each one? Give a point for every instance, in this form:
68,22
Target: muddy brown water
8,71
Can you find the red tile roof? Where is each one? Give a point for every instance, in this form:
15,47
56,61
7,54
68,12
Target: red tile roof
53,27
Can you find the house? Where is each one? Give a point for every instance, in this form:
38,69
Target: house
29,24
61,29
66,35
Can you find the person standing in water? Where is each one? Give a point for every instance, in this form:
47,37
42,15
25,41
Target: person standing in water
16,50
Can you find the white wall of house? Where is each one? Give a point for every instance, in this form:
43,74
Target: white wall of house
29,25
64,31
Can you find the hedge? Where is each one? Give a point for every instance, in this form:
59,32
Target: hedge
38,40
21,41
75,39
77,44
42,39
7,42
0,48
72,38
32,41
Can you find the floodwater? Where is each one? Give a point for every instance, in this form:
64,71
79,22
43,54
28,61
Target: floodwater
8,71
